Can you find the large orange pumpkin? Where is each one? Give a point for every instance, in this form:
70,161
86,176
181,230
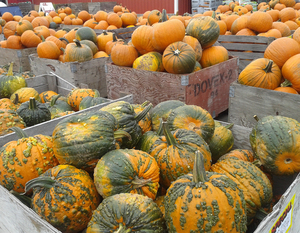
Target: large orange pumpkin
291,71
260,21
281,49
213,55
141,39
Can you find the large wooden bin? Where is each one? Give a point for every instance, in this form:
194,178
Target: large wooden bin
246,101
207,88
91,73
18,56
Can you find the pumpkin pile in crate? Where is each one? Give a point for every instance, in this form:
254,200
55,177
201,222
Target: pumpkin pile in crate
121,161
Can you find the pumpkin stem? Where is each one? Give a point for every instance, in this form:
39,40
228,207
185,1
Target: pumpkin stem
160,128
164,17
145,103
229,126
41,181
268,68
118,134
32,103
24,199
199,173
114,37
43,39
105,32
78,44
54,99
20,133
256,117
286,83
10,70
64,39
16,100
213,15
143,113
138,183
261,214
257,163
122,229
169,136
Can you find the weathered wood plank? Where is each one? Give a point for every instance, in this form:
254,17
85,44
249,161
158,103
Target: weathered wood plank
246,101
244,47
247,55
91,72
248,39
207,88
18,56
46,128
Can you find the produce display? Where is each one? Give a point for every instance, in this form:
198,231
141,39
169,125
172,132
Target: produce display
130,167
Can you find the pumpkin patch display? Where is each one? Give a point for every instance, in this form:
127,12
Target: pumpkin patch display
137,169
73,197
127,212
25,159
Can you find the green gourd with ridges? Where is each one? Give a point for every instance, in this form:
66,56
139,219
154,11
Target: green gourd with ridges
205,202
251,180
86,33
276,142
34,112
192,117
65,197
57,106
81,140
90,101
222,141
9,83
162,110
127,212
127,171
175,153
127,120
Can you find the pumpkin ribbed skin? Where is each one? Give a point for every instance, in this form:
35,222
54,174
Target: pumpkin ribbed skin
145,123
34,112
291,71
176,157
141,39
90,101
25,159
213,55
86,33
275,140
261,72
127,171
46,96
9,83
162,110
192,117
81,140
127,120
242,154
24,94
251,180
69,203
77,95
215,204
127,213
57,106
195,44
77,52
221,142
9,118
205,29
179,58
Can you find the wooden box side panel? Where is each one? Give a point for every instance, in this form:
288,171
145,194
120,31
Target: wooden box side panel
155,87
246,101
18,56
91,73
247,48
209,88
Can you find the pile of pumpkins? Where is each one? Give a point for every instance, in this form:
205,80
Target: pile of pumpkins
23,106
167,168
279,69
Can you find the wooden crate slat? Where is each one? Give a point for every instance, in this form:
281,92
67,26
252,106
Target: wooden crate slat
244,47
246,101
248,39
245,56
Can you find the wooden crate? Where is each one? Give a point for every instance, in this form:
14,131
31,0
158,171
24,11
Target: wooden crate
208,88
16,217
247,48
50,82
121,33
246,101
91,73
18,56
47,127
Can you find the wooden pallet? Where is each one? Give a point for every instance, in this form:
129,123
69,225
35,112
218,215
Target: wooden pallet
247,48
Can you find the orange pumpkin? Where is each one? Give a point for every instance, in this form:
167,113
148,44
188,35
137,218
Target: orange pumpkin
260,21
213,55
141,39
30,39
291,71
123,54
